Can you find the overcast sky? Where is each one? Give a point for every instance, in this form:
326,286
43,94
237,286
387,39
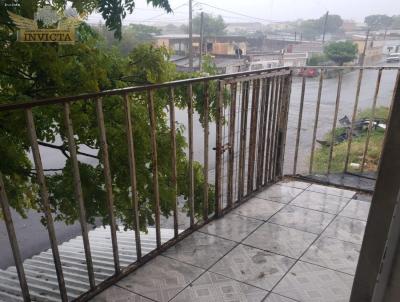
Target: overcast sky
262,10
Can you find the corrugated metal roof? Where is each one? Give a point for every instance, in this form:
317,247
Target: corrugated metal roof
41,275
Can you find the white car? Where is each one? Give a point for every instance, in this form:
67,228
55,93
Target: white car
393,57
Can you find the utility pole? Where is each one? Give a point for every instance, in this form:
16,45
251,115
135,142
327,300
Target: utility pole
201,39
295,35
325,23
362,58
190,37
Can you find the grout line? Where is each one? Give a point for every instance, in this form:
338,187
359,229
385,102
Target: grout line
116,284
306,250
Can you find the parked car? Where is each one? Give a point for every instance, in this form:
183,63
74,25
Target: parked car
308,72
393,57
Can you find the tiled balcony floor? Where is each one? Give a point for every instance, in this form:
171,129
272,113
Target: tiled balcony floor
292,242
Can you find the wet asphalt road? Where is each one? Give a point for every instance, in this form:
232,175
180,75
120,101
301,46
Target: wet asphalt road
33,238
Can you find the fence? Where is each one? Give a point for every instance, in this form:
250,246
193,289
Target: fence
247,112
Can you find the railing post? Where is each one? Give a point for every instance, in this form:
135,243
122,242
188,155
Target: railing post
316,119
243,138
371,120
232,121
108,181
218,150
267,165
153,137
206,146
46,202
283,123
191,172
5,207
263,130
132,172
296,151
174,173
78,192
339,88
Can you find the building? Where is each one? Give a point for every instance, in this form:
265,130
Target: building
373,51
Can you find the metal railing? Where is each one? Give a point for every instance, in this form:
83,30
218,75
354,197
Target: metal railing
333,133
251,116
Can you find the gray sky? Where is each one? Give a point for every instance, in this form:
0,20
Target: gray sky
261,10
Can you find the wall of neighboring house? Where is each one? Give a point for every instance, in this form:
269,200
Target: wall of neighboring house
373,52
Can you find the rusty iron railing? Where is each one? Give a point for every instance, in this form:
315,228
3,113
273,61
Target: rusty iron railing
250,129
305,138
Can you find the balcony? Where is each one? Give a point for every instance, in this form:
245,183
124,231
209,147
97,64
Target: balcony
294,241
268,208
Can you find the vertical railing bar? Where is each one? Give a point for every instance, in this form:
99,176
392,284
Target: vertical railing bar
273,129
237,134
46,203
339,88
268,151
265,131
132,172
218,149
224,118
154,159
296,152
261,137
78,192
353,119
108,181
243,133
276,126
288,86
371,120
281,116
206,147
252,136
174,172
316,119
5,206
191,173
232,121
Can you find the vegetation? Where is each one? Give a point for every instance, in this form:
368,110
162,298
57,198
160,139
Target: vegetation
317,60
41,70
212,26
341,52
376,22
357,147
313,28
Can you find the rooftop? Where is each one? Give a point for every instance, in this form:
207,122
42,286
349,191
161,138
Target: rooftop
294,241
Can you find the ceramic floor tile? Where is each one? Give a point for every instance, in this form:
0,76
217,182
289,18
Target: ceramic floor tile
335,254
281,240
357,209
118,294
294,184
311,283
331,191
302,219
200,249
259,208
321,202
253,266
233,227
161,278
279,193
346,229
277,298
212,287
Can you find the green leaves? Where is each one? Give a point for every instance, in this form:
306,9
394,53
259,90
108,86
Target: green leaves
341,52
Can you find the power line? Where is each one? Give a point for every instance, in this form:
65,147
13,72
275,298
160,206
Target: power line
160,15
236,13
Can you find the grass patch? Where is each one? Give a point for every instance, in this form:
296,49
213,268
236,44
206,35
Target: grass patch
321,156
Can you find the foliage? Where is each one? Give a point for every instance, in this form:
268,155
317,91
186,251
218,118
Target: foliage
317,60
41,70
112,11
376,22
341,52
133,35
357,147
314,27
212,26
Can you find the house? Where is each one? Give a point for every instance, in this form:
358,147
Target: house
373,51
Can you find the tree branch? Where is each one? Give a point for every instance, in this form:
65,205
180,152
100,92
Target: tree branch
63,149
